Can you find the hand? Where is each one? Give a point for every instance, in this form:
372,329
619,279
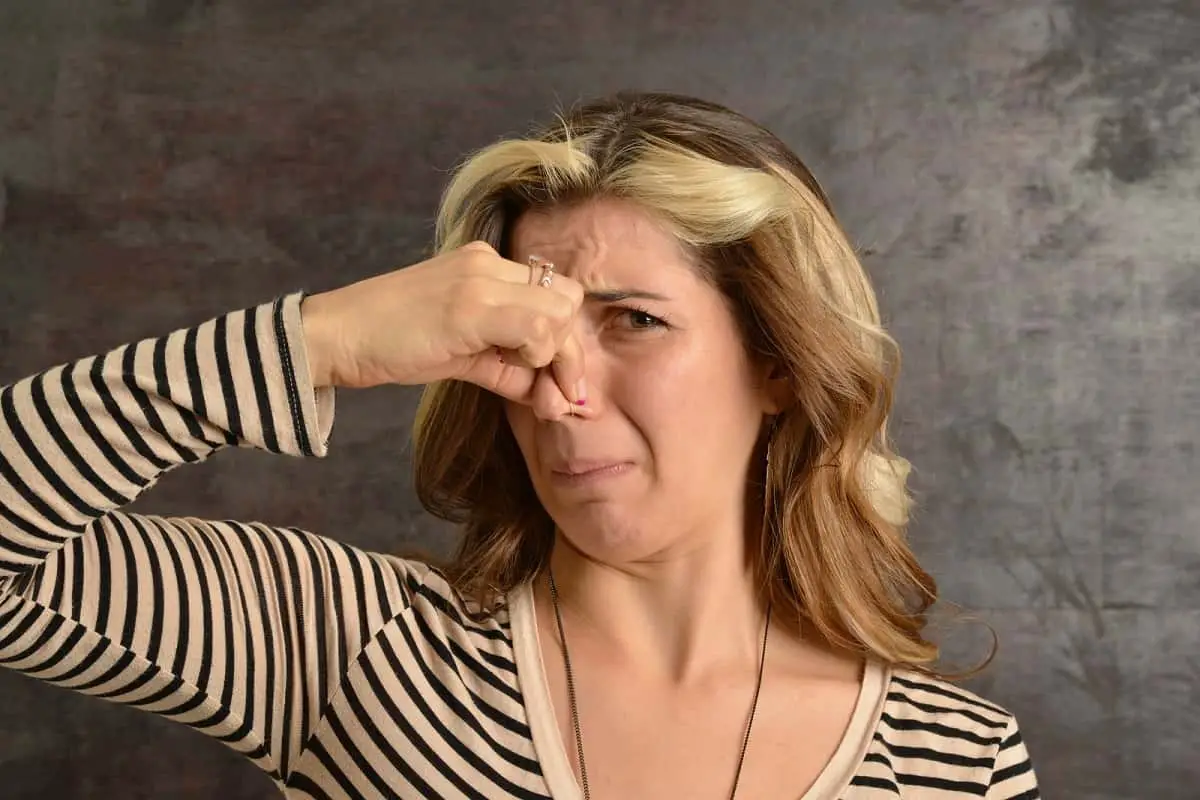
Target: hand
467,314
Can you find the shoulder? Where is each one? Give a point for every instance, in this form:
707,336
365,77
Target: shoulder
935,734
916,701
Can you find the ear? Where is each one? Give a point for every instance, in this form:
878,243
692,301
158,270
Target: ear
776,388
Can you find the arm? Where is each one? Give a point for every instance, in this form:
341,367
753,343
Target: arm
1013,777
241,631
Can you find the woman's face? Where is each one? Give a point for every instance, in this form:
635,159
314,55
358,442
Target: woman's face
660,463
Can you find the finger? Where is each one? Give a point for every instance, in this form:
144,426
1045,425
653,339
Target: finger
518,318
569,370
534,388
508,380
542,345
526,337
496,370
480,259
548,401
484,261
559,352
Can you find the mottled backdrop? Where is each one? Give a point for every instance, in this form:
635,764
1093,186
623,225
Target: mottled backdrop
1022,175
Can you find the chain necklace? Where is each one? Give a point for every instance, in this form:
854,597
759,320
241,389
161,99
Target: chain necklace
583,775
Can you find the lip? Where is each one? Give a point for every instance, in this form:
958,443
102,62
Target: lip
582,472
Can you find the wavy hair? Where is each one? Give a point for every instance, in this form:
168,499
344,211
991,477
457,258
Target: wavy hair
832,550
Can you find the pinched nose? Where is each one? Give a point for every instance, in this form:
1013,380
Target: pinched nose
549,404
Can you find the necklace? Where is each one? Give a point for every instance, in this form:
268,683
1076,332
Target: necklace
583,775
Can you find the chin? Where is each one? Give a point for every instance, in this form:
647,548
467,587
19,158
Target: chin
608,540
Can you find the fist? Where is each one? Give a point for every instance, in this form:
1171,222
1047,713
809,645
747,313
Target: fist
467,314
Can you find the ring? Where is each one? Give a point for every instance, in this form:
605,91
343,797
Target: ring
547,277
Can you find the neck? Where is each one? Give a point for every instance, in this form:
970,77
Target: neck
680,618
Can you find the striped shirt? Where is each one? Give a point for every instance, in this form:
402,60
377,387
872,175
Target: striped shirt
339,672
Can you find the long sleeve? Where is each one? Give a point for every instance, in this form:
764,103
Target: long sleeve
240,630
1013,777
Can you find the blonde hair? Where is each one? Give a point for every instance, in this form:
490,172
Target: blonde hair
833,550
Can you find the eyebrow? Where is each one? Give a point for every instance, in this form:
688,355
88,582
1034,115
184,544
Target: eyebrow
617,295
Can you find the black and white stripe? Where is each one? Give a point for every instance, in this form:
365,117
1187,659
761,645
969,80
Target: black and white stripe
934,739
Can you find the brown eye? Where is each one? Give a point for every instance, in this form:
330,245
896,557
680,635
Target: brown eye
637,319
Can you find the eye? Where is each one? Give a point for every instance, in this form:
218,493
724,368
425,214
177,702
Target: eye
640,319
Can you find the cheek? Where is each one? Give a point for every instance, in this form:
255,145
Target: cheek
686,396
521,422
654,389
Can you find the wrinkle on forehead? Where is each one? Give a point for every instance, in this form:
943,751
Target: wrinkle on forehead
581,239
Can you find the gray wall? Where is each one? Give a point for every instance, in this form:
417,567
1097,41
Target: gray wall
1024,175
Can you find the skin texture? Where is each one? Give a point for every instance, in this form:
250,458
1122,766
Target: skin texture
662,616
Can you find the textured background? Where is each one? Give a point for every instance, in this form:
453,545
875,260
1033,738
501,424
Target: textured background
1024,176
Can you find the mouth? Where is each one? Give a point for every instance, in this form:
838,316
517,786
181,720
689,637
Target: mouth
590,471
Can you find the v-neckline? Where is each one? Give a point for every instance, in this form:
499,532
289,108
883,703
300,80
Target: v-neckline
556,766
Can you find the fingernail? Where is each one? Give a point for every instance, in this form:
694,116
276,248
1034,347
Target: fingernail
581,392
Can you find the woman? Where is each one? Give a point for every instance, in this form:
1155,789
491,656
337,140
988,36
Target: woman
657,399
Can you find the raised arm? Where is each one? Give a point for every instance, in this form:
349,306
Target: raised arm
241,631
83,439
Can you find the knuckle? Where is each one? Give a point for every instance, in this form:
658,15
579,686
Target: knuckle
479,260
478,246
476,264
563,309
540,355
540,330
574,295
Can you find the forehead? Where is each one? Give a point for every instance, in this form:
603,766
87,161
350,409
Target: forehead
602,241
